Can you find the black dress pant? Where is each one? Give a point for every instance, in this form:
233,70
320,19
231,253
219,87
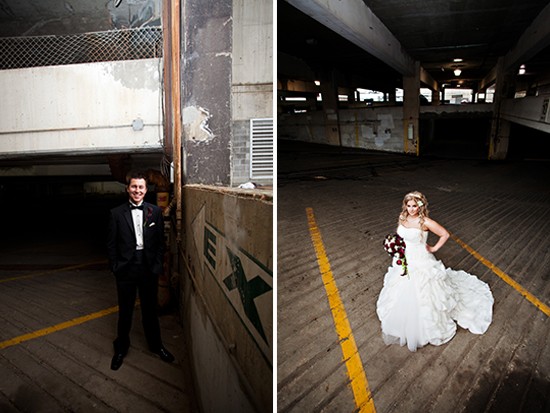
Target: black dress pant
137,278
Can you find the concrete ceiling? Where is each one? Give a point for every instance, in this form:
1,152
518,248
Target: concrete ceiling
432,32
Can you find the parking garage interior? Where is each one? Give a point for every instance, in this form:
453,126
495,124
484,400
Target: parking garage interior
377,99
183,92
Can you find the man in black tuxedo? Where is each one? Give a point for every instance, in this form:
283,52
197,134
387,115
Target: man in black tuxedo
136,246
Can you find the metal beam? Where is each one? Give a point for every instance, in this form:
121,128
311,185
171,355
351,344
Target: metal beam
354,21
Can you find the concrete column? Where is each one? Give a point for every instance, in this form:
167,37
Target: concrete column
206,91
435,97
505,87
411,109
329,92
392,98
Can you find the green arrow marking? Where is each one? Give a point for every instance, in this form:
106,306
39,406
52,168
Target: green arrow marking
248,290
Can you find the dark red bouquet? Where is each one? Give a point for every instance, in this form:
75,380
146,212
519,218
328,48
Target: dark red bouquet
395,247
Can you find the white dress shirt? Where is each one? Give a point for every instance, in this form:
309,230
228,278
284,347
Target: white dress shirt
137,217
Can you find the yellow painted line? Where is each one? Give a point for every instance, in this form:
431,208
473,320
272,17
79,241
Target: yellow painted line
356,373
57,327
530,297
72,267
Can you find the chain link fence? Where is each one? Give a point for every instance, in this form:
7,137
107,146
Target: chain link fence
128,44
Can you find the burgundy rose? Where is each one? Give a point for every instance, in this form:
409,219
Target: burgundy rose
395,247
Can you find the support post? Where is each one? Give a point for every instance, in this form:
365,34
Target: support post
411,110
329,92
500,129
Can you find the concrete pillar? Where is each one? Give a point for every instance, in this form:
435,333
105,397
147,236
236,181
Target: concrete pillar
435,97
392,98
329,92
411,109
206,91
505,88
312,102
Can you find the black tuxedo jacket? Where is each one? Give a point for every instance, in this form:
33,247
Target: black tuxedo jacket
121,240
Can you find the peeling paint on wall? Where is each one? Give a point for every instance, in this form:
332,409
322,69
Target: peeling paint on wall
135,75
195,123
379,130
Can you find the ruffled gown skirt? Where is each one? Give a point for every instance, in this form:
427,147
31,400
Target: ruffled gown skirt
425,306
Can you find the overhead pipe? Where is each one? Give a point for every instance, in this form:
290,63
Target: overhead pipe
176,99
171,15
167,61
172,130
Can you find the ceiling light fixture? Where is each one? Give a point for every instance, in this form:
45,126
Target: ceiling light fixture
521,70
457,60
457,71
317,83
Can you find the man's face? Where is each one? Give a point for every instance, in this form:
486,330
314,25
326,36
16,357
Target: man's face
137,190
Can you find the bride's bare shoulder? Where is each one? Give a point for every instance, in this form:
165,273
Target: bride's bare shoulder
434,226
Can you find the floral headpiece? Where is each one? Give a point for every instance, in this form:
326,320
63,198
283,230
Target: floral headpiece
418,200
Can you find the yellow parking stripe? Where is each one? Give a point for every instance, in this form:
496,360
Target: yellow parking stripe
57,327
356,373
534,300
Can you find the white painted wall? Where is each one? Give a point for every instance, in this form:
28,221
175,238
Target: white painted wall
370,128
84,108
456,109
380,128
531,111
252,67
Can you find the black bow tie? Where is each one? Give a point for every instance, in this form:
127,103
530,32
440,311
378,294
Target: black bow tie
136,207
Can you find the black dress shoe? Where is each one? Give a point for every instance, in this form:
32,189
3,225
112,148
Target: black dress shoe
116,362
165,355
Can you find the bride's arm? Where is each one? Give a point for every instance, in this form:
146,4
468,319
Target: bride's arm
437,230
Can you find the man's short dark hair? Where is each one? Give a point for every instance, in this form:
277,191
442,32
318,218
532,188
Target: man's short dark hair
135,175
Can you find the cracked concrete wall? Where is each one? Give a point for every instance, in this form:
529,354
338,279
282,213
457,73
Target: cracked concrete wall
207,27
227,77
226,260
226,290
370,128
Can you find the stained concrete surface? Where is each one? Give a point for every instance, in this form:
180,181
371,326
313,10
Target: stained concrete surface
500,209
69,369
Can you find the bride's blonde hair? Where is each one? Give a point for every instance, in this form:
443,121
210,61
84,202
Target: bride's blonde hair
422,203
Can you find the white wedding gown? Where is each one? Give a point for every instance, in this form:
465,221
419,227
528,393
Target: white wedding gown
422,309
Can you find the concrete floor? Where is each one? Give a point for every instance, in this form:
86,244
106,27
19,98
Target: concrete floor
69,370
500,209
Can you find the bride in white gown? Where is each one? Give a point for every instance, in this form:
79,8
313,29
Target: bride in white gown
421,307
